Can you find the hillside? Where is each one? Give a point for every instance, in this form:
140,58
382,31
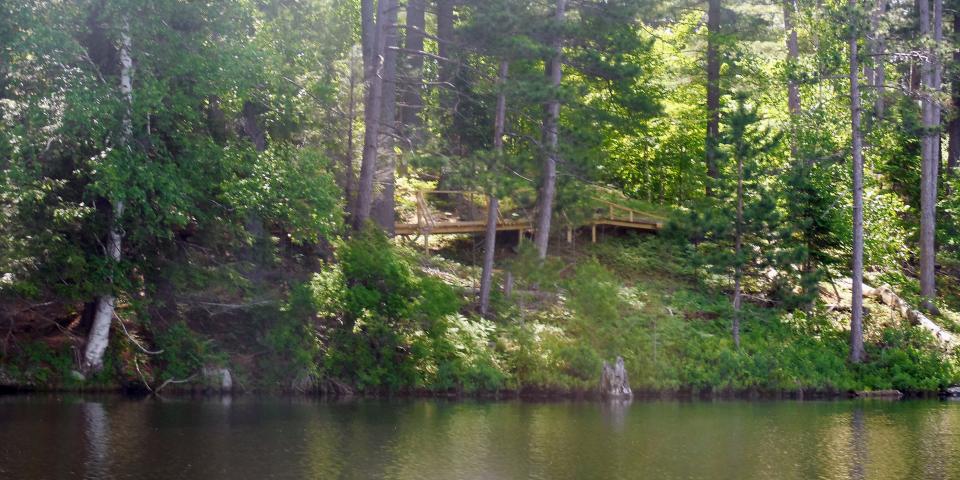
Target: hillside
414,330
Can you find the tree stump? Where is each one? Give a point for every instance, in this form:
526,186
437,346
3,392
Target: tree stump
613,381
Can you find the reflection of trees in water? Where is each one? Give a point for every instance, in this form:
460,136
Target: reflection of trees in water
97,435
614,412
858,444
937,442
301,438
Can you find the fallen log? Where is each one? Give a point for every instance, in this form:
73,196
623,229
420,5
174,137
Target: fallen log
879,394
885,295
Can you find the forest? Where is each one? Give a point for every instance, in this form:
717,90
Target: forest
480,197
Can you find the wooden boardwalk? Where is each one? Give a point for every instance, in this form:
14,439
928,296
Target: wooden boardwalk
605,214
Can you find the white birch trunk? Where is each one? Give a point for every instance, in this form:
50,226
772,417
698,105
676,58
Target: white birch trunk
99,336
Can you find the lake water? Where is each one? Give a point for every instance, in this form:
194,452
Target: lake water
62,437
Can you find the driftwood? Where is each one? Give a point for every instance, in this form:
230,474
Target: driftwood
613,381
888,297
879,394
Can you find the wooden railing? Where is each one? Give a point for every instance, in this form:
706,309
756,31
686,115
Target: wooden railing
627,213
425,219
428,221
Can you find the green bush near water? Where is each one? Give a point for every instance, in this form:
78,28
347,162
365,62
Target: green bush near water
396,328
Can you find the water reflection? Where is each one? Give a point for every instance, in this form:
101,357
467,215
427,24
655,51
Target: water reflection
858,444
244,437
96,433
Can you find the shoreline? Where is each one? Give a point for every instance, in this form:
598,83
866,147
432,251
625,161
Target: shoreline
529,394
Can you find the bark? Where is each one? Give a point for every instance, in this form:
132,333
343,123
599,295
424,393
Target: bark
551,124
368,31
216,120
348,173
371,120
99,336
383,205
713,93
879,47
793,90
738,247
793,53
446,68
253,223
930,77
953,153
251,127
412,97
613,381
856,320
493,204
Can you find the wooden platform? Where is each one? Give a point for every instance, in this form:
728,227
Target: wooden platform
440,228
607,214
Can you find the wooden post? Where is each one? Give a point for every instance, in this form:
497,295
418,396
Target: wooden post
569,234
508,285
631,216
611,210
520,236
593,233
426,243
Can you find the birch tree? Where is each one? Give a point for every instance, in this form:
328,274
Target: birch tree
99,336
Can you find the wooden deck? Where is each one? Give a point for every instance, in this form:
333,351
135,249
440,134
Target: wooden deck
607,214
462,227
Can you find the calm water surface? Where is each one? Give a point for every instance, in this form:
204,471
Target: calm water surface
113,437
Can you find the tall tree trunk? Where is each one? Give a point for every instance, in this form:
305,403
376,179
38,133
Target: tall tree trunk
879,47
383,205
738,247
348,173
953,153
412,98
371,119
253,223
446,69
551,125
99,336
713,93
793,90
493,204
856,320
368,31
930,77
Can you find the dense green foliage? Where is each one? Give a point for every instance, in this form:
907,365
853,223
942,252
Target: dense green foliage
237,161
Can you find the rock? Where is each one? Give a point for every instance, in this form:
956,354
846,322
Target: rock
218,377
77,376
332,386
953,391
879,394
613,381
